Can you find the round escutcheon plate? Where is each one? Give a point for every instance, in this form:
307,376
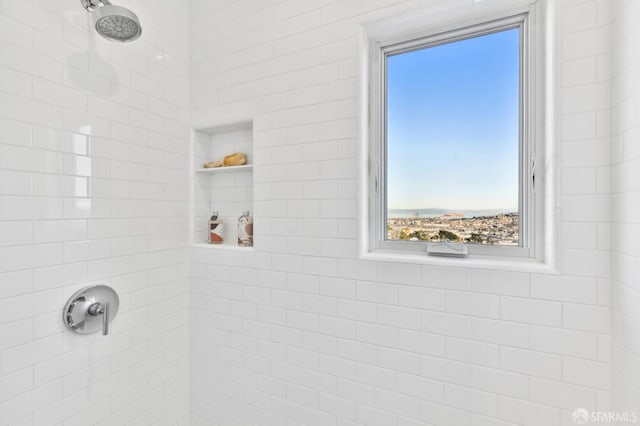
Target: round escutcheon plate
79,313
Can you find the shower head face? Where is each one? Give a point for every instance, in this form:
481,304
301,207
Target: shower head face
117,23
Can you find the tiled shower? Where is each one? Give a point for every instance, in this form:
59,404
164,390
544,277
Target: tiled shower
99,148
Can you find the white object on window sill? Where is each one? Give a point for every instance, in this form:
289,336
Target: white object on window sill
447,248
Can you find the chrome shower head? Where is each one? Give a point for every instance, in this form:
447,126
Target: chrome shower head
114,23
117,23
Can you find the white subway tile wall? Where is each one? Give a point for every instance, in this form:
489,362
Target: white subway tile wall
625,159
317,336
93,188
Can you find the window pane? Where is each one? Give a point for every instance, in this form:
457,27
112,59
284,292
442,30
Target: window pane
453,141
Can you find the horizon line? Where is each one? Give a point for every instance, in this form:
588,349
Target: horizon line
453,210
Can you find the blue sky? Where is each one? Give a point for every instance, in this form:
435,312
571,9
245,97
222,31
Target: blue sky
453,125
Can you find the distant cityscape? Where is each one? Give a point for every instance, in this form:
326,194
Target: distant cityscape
494,229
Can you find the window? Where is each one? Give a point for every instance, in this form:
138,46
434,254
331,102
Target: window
453,146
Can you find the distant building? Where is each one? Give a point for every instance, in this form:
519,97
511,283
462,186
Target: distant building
453,215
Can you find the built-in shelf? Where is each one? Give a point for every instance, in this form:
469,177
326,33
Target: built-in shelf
222,246
227,190
225,169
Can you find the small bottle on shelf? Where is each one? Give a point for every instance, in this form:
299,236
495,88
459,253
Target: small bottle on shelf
216,229
245,230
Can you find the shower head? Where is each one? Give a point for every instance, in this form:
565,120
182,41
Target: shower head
117,23
114,23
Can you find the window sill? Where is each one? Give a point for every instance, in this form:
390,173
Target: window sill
471,261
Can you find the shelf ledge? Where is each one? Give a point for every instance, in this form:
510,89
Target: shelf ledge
225,169
222,246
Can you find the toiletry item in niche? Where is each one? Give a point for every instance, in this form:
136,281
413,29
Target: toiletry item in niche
235,159
213,164
245,230
216,229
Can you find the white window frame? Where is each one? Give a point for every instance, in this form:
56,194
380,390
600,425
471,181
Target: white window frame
532,146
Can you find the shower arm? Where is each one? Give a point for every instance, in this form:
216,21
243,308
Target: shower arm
90,5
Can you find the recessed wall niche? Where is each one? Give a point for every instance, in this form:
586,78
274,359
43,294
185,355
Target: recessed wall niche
228,189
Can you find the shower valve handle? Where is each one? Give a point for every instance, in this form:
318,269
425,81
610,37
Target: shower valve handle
101,309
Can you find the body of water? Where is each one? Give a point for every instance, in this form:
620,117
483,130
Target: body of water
426,213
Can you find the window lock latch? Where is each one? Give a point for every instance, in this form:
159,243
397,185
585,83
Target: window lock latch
533,175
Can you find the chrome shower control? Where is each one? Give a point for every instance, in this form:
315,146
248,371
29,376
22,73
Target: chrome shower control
91,309
98,309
